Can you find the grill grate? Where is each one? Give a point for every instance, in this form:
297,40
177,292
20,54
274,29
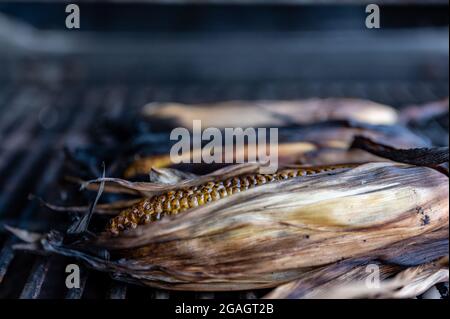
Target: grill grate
36,122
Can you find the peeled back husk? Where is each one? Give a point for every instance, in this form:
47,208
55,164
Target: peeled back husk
275,233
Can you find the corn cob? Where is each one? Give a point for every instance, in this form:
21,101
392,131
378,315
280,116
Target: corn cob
281,230
174,202
287,152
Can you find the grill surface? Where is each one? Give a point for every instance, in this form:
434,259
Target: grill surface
36,121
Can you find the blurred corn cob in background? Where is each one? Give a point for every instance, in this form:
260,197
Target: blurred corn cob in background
272,113
322,133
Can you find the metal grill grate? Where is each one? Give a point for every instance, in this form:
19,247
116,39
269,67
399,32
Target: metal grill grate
36,122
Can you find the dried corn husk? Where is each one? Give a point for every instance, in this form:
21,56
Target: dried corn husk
340,134
422,113
287,153
392,282
320,144
269,113
409,283
276,233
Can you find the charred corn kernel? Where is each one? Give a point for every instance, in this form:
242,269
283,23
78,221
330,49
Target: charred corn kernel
146,219
173,202
215,195
210,185
158,207
292,174
167,206
236,190
193,202
179,194
200,199
184,203
223,192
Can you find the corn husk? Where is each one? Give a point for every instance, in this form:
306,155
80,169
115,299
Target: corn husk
409,283
270,113
317,144
421,113
287,153
276,233
335,282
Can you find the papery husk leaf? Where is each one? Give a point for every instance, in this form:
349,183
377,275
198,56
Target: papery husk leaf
287,153
409,283
169,176
425,112
117,185
391,260
337,156
415,252
330,276
340,134
358,283
419,156
103,209
81,225
163,176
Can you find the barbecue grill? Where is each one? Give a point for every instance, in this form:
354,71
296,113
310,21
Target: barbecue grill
55,95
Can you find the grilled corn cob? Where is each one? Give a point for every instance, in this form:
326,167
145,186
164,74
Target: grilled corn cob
173,202
278,232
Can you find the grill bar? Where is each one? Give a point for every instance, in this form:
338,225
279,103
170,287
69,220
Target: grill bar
23,107
79,124
6,256
117,291
5,94
36,279
159,294
39,270
22,172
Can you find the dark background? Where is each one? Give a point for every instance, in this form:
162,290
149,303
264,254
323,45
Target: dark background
141,17
184,43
